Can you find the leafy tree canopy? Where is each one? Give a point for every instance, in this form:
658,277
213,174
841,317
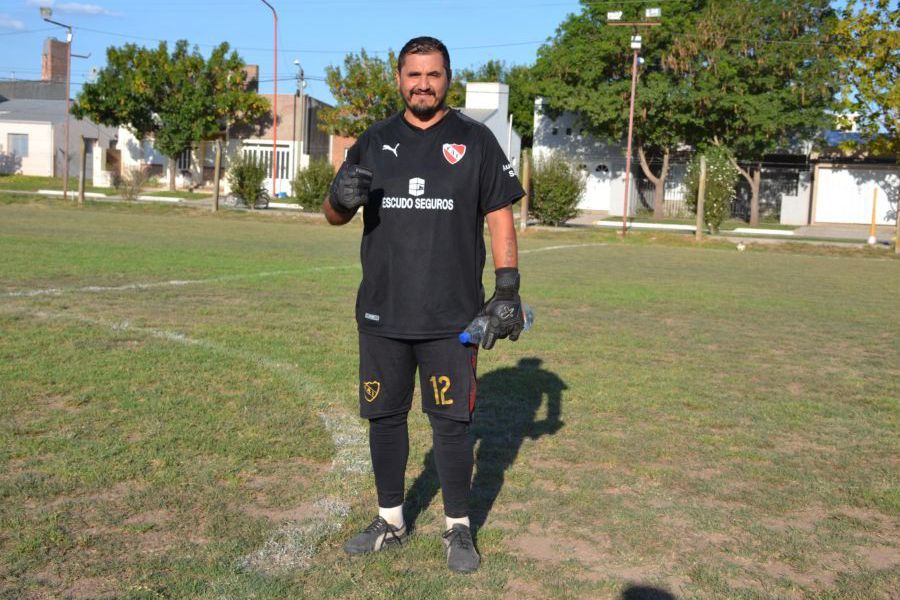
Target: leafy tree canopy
177,98
761,73
586,69
868,37
365,92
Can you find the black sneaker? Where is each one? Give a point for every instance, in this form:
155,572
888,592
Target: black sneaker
461,554
377,536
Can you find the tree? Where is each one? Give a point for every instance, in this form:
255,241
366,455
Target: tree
586,69
868,36
177,99
364,93
762,76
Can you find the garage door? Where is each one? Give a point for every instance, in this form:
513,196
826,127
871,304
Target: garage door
845,194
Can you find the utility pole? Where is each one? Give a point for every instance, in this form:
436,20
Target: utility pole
274,102
614,19
301,93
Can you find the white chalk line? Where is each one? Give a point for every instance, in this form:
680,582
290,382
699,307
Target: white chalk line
293,544
184,282
171,283
564,247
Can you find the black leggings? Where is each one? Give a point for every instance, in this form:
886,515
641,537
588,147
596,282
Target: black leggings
389,445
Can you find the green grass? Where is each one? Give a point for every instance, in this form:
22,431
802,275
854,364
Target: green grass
33,183
682,417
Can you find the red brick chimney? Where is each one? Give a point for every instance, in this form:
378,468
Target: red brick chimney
53,62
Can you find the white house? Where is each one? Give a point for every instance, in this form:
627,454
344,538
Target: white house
32,138
488,103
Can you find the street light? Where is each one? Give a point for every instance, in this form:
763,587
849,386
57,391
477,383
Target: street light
274,100
650,13
46,13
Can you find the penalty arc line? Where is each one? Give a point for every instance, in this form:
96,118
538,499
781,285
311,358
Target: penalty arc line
294,543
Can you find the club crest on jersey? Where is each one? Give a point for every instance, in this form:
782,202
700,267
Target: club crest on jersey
454,152
371,389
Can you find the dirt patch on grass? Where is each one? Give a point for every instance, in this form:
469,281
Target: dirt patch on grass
880,557
91,587
518,588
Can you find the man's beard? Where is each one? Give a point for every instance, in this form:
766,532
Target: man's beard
425,113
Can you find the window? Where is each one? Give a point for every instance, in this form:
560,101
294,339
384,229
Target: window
554,131
568,131
18,144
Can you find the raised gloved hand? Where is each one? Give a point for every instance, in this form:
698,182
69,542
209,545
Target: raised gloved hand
350,188
504,309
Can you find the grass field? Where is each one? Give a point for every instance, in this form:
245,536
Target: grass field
178,418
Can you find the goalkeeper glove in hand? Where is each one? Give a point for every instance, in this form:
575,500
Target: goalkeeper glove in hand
504,309
350,188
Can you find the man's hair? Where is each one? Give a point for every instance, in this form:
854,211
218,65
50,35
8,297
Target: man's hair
424,45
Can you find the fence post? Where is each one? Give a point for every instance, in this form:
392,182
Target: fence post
526,183
82,171
701,192
217,174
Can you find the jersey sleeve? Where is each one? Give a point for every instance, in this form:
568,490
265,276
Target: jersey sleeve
355,152
498,186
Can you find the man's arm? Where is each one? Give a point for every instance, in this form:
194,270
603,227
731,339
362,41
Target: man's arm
333,216
504,248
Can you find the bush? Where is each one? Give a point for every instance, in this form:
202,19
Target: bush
721,179
311,184
131,182
557,185
246,176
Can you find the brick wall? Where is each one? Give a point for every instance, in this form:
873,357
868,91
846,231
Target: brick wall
339,147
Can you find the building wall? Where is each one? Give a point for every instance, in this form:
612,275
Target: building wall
40,149
602,162
845,193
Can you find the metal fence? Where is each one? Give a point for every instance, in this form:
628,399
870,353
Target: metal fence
777,181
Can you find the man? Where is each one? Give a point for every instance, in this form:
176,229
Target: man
428,178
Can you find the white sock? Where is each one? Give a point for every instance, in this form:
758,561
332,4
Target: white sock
393,515
451,521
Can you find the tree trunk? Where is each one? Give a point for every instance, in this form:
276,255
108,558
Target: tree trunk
659,183
754,196
753,179
173,166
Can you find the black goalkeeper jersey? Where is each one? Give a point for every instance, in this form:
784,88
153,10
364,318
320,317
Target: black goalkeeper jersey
423,249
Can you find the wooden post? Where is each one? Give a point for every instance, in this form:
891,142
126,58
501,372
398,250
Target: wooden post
873,237
217,175
897,228
82,170
526,183
698,234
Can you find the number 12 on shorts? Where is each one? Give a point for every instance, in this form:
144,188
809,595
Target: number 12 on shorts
441,386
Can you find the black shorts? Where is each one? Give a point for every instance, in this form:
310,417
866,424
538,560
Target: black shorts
387,369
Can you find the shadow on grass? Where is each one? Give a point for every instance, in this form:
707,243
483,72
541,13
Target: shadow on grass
507,412
643,592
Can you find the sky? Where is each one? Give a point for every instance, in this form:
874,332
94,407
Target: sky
318,33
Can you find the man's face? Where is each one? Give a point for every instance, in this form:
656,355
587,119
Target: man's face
423,83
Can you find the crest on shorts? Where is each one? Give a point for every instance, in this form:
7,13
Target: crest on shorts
371,389
454,152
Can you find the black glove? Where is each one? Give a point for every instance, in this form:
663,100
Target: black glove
504,309
350,188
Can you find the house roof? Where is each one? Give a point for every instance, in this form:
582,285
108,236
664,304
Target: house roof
41,111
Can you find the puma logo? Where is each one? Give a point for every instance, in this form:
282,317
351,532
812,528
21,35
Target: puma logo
394,149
